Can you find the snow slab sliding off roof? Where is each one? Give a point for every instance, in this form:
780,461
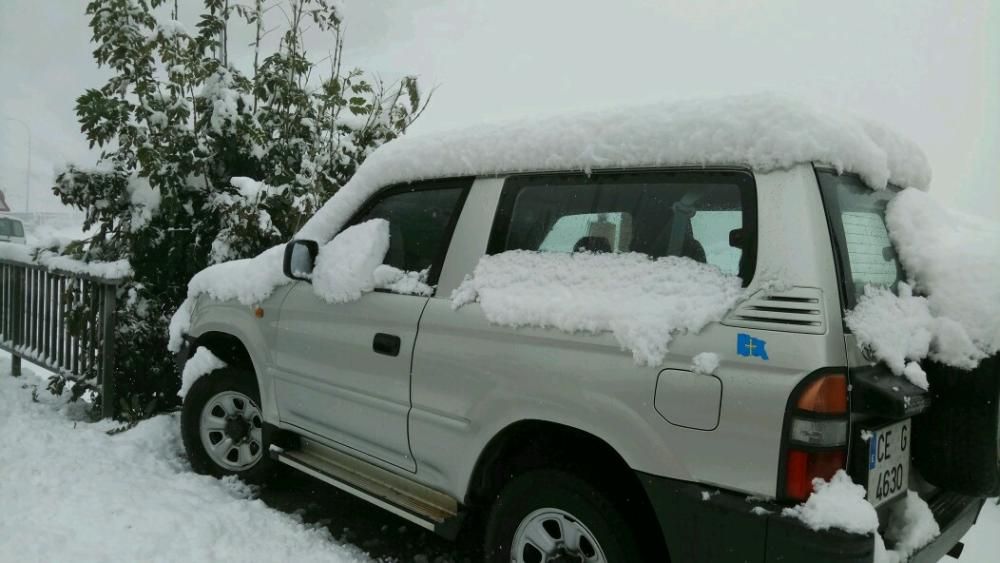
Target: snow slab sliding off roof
763,132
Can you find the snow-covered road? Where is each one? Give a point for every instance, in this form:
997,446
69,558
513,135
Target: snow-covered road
71,492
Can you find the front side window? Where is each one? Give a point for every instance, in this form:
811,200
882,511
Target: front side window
708,216
856,214
421,219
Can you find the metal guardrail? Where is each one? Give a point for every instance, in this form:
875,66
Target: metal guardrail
61,321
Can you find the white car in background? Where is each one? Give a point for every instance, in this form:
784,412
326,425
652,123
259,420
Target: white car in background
11,230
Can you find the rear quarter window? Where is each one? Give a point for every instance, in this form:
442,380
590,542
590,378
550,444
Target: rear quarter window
856,217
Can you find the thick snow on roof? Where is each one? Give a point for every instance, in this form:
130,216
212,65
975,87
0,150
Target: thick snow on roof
764,132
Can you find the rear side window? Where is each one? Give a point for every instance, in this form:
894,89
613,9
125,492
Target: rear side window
856,214
708,216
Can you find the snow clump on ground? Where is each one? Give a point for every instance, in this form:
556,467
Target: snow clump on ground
641,301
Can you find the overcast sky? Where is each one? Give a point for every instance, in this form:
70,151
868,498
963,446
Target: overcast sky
931,70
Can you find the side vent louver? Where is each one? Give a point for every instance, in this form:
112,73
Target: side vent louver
799,309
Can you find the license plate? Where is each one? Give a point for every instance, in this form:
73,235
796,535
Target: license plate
888,462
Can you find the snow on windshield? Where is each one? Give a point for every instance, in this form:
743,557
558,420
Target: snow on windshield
953,263
643,302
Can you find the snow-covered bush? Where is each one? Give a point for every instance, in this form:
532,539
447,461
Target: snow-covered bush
203,162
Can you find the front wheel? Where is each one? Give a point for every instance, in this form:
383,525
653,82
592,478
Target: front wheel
551,516
222,427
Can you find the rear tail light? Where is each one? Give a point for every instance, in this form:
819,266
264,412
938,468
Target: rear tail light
816,429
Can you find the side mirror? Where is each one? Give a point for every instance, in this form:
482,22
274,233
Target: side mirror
300,257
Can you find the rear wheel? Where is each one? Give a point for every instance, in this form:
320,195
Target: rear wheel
222,427
554,516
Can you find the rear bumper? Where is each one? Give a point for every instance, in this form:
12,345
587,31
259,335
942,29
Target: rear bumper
705,524
955,514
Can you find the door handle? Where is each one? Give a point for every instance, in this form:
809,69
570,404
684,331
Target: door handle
386,344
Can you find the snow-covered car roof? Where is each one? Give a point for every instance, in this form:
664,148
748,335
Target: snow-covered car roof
763,132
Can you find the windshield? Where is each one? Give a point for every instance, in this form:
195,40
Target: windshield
856,214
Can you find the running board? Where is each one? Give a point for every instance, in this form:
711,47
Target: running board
423,506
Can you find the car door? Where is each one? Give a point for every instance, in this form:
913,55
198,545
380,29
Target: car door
343,370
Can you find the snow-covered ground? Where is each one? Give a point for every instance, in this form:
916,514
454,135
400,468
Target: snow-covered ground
71,492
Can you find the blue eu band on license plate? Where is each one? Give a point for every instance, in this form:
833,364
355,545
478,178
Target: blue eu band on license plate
888,462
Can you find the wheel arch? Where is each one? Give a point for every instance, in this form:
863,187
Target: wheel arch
232,348
532,444
227,347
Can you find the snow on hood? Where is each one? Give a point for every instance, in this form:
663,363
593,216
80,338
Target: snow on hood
764,132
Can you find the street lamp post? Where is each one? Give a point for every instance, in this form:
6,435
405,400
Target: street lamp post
27,175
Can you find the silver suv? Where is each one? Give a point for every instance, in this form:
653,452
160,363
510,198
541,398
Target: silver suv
558,446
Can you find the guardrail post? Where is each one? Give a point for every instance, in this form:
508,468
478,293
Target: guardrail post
17,332
108,351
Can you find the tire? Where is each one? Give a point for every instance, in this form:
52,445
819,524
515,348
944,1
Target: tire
232,393
549,503
955,443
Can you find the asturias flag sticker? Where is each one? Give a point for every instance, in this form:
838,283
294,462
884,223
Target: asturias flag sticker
749,346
